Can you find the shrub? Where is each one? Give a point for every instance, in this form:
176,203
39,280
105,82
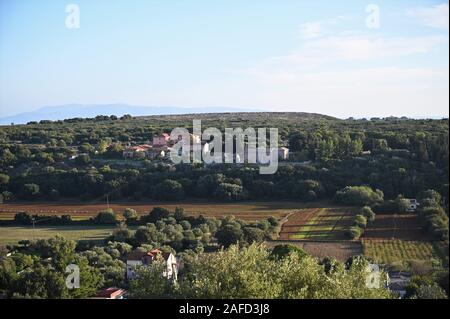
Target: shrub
106,217
354,232
130,215
360,221
367,212
359,195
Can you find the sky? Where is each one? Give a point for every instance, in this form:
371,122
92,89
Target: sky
341,58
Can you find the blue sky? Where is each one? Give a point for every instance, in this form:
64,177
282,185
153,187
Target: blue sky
313,56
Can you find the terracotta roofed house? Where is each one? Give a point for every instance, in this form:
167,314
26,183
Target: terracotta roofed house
138,151
161,140
141,258
110,293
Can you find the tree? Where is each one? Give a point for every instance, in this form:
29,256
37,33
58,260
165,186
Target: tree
367,212
360,221
155,215
83,159
29,191
169,190
354,232
106,217
230,192
229,234
22,218
359,195
284,250
60,250
253,235
41,282
151,283
431,292
130,215
121,233
4,179
252,273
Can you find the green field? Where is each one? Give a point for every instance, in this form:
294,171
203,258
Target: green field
398,251
326,224
12,235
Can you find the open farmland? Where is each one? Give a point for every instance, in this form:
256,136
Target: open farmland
317,224
12,235
398,251
396,226
341,250
249,211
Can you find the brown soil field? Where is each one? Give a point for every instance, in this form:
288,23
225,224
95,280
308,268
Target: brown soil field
341,250
396,226
243,210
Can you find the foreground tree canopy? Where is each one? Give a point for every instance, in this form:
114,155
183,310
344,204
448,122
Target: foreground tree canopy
253,272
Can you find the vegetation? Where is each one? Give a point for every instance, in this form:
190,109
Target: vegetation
252,273
375,165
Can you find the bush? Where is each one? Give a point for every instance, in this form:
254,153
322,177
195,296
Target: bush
367,212
354,232
130,215
360,221
29,191
169,190
106,217
359,195
253,235
228,235
22,218
230,192
155,215
284,250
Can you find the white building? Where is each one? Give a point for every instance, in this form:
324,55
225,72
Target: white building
283,153
140,258
413,205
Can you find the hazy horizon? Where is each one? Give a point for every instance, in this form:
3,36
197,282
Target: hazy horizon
338,59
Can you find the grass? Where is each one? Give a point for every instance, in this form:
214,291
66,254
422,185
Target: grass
327,224
12,235
400,251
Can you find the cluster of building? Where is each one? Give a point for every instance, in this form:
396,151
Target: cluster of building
161,146
158,148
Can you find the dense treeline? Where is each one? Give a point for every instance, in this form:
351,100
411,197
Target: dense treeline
78,158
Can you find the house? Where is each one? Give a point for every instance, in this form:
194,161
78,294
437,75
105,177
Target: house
141,258
283,153
138,151
154,153
110,293
161,140
398,281
413,205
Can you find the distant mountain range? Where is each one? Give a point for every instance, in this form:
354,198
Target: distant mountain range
62,112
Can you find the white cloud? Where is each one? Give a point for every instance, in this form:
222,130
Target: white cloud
354,47
435,17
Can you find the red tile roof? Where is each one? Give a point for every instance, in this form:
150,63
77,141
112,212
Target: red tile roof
111,293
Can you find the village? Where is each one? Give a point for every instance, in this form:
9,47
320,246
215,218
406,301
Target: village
162,145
